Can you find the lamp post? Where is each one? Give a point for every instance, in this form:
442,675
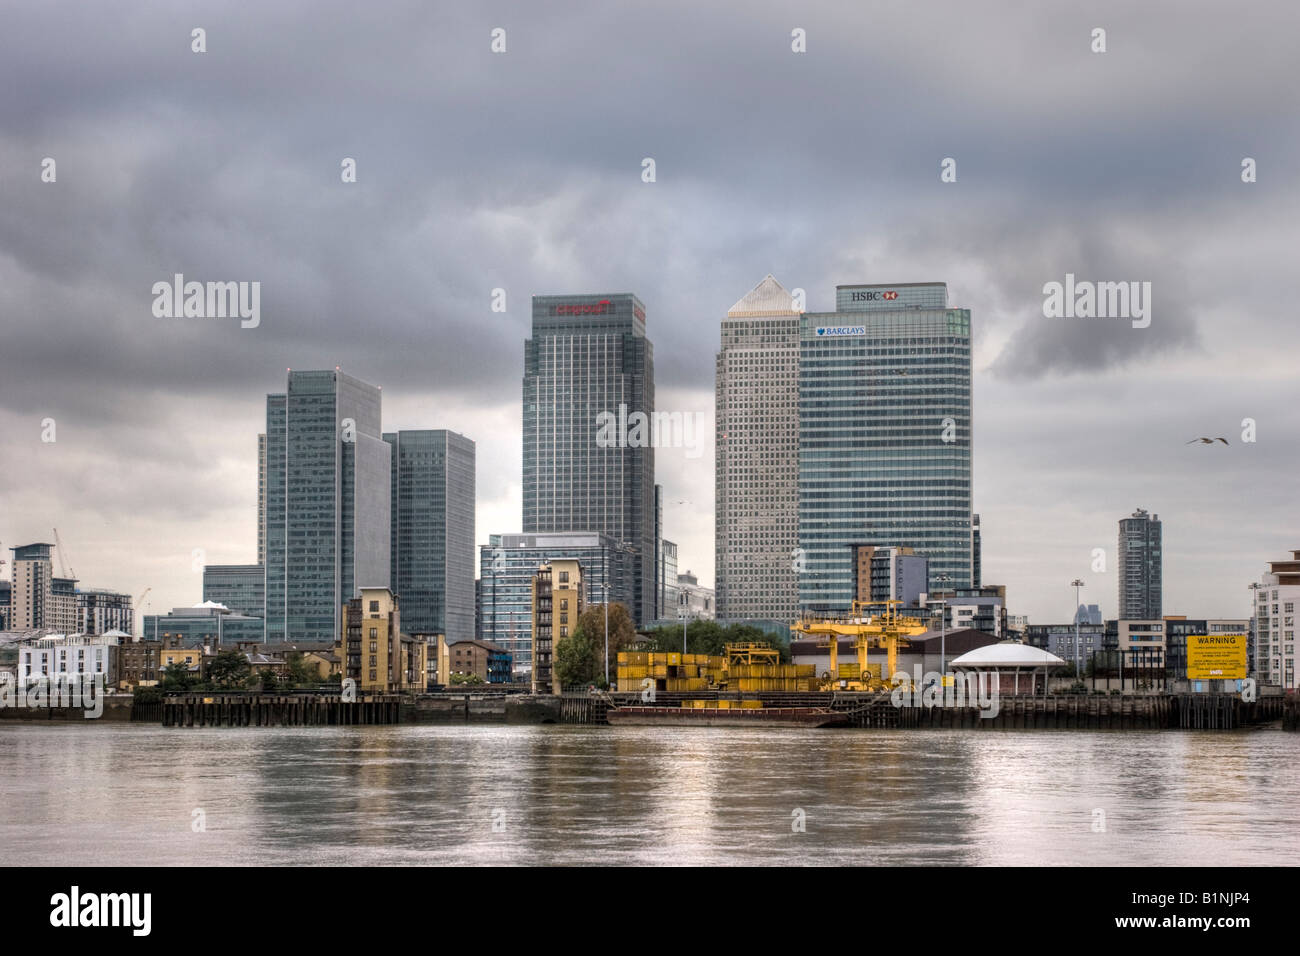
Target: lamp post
1076,584
681,609
943,634
606,633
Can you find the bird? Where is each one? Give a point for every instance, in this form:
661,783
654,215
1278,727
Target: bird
1206,441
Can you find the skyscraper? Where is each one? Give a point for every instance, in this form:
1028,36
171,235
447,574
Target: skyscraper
588,413
1140,567
432,544
261,500
327,502
756,503
884,436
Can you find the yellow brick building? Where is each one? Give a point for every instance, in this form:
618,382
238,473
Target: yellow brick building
557,603
372,649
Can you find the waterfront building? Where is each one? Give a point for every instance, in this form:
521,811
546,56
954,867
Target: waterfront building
100,610
1058,639
71,657
1140,567
372,649
557,603
239,587
6,604
432,530
140,663
889,574
489,663
193,657
207,624
328,488
507,564
756,496
1275,601
981,609
884,437
589,422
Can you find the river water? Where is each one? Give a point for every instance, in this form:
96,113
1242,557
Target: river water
495,794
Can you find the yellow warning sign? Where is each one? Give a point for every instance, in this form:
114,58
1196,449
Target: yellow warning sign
1216,656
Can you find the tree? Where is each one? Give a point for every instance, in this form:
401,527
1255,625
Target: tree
299,671
585,659
176,676
270,680
710,637
575,658
229,670
466,679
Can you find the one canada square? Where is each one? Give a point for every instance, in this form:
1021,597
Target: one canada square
869,409
589,359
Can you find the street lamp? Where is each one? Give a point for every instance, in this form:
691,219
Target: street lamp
943,634
681,610
607,634
1076,584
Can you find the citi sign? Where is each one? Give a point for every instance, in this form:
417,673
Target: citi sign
874,296
590,308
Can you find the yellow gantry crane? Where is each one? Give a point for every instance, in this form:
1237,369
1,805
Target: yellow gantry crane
888,631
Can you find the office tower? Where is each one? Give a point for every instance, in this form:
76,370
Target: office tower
667,580
588,413
507,564
432,547
38,599
1139,563
241,588
261,500
884,437
100,610
557,603
327,502
756,528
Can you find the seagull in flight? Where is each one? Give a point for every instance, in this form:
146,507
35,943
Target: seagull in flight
1206,441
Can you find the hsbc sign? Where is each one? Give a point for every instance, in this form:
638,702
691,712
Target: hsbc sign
586,308
873,296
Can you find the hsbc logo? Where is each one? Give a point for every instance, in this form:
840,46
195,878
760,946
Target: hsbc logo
874,296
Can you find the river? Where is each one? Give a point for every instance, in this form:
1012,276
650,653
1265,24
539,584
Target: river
495,794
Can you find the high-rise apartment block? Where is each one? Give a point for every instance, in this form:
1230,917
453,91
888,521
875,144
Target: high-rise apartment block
557,603
1140,567
38,599
1276,599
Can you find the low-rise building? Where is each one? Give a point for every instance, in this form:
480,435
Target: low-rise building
489,663
140,663
207,623
558,600
69,656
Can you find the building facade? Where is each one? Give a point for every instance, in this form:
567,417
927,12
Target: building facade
373,651
1276,599
668,595
240,587
698,603
100,611
1140,567
489,663
326,502
70,657
756,483
889,574
589,422
203,625
884,436
508,563
38,599
557,603
432,530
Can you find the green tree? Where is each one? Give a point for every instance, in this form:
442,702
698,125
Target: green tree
176,677
575,659
466,679
270,680
230,670
298,671
584,658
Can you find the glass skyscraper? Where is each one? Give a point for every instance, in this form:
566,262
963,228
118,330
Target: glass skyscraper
327,502
432,548
884,437
240,587
589,361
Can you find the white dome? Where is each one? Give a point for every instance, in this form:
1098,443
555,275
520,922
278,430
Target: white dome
1007,655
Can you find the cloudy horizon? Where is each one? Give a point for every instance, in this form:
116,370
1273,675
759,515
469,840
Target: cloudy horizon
522,171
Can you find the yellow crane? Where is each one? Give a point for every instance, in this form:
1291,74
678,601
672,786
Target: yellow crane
888,631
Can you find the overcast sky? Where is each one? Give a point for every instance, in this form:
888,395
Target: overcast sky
523,170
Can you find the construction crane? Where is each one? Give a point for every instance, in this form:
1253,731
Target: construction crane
139,602
63,565
888,631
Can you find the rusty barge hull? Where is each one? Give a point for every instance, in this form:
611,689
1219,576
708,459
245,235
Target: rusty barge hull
719,717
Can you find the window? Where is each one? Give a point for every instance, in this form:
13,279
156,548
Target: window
564,577
374,633
374,605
